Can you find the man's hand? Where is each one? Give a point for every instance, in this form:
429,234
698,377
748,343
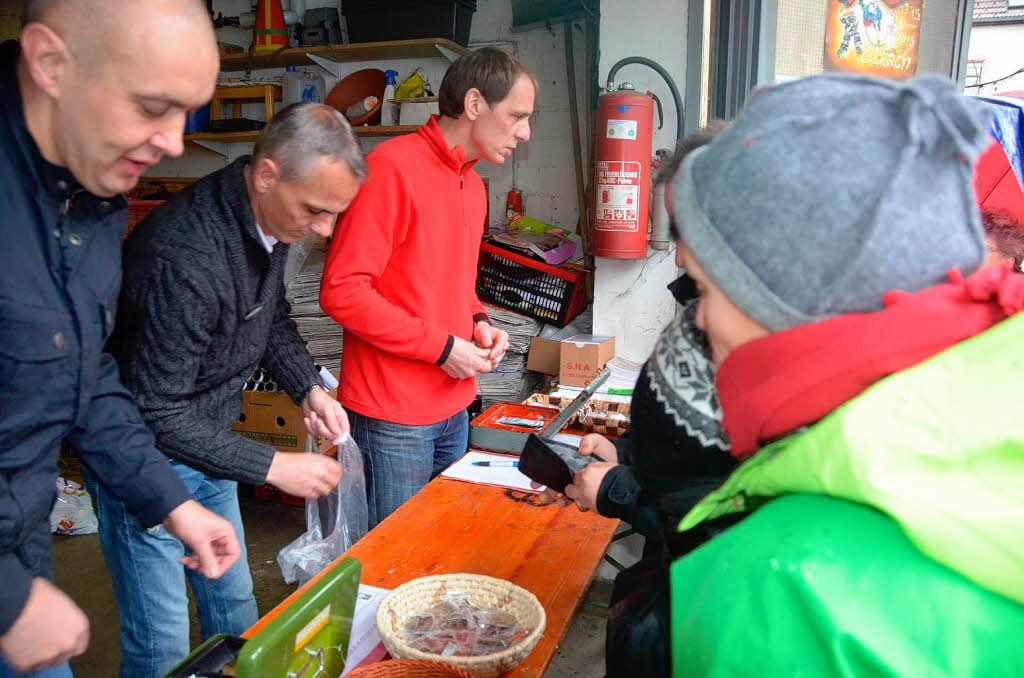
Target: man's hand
494,340
549,496
466,360
586,483
596,445
592,444
323,415
304,474
210,538
50,630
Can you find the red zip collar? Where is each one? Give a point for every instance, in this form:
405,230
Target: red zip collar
453,157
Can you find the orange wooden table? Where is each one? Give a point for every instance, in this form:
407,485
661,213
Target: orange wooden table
453,526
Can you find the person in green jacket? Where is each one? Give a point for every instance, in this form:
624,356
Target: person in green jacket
867,386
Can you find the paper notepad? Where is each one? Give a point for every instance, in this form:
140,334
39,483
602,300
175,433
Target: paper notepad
503,476
364,639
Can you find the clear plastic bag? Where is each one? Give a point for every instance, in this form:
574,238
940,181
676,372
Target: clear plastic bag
72,513
341,514
457,627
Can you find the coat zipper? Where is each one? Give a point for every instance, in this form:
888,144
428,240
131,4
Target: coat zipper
462,200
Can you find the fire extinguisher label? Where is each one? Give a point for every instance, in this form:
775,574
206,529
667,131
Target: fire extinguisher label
618,194
621,129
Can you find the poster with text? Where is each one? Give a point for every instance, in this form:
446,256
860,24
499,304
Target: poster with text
873,37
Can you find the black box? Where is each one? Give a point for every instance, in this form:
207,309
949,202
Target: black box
530,13
373,21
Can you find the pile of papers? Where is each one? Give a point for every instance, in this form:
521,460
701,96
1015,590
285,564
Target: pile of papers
624,375
511,382
321,334
581,324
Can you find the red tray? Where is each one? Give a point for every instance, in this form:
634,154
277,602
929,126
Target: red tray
496,411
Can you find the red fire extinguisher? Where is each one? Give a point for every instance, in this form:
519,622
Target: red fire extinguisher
625,135
622,172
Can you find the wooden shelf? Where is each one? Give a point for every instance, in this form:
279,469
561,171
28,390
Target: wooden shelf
224,138
366,51
383,130
241,137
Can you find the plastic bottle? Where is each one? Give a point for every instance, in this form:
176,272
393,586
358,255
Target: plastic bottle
514,203
313,89
387,109
361,107
292,86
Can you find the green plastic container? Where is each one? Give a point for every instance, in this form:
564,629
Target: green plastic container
310,637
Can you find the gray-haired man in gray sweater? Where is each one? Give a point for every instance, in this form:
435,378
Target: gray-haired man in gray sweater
202,305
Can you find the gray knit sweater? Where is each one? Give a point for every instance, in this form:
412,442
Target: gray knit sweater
202,303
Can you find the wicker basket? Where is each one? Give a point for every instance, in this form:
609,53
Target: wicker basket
426,592
409,668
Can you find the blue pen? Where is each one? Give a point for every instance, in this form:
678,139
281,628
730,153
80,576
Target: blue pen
495,463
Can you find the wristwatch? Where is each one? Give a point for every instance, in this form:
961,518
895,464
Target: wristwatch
317,385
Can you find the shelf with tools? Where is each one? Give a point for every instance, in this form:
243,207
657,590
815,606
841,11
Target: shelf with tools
421,48
252,135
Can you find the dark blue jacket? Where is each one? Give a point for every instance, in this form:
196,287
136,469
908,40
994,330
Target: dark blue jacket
60,273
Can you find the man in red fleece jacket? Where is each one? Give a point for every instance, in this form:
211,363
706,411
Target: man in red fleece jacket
400,278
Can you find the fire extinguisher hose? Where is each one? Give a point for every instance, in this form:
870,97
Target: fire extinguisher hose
654,65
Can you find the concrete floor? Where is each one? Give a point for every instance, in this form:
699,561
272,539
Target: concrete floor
81,572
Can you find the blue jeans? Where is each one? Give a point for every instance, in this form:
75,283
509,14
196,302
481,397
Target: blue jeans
61,671
149,582
399,459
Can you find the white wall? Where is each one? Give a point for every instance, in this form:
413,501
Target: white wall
1000,47
630,299
544,169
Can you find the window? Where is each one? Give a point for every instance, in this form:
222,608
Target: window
874,34
748,43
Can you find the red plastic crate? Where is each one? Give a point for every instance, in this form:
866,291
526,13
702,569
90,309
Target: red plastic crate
551,294
139,210
271,493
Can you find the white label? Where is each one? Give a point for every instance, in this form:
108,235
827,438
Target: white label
312,628
618,196
621,129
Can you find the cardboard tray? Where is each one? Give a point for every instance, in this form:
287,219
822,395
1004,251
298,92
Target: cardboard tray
593,416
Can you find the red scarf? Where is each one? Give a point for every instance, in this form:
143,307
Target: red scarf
769,387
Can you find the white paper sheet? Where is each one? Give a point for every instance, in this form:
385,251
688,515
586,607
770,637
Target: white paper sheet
504,476
364,637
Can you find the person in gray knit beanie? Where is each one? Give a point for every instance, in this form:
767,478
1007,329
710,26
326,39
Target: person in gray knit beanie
865,388
831,190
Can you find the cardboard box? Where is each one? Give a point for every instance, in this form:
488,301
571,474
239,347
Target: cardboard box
576,361
273,419
544,355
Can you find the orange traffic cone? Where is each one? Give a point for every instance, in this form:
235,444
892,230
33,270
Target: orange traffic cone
270,34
